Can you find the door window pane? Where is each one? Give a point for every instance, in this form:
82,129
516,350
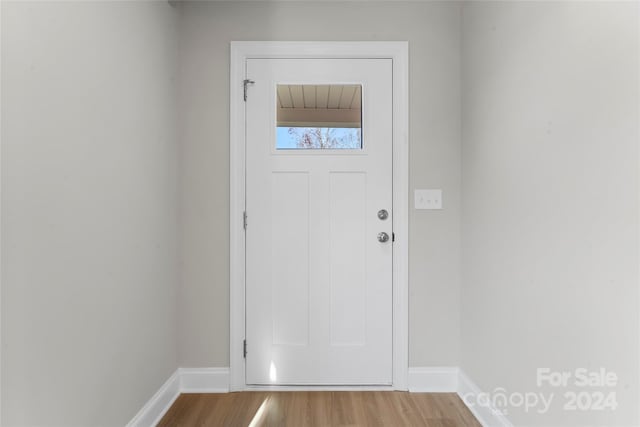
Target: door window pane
319,117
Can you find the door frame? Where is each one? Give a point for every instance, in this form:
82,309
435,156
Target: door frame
398,52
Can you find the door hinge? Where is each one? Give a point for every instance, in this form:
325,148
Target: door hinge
244,220
244,349
246,82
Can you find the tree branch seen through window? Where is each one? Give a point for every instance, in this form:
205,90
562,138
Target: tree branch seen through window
326,138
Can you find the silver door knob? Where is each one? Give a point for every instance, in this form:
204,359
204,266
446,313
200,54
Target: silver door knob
383,214
383,237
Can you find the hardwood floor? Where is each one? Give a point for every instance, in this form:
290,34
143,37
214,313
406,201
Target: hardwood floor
318,408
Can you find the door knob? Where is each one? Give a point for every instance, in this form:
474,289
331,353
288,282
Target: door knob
383,237
383,214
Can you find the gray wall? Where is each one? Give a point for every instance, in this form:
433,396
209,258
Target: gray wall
433,31
550,191
89,217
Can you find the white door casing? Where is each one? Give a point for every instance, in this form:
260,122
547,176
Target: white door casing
318,281
396,52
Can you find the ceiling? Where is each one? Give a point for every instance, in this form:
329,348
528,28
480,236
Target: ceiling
341,97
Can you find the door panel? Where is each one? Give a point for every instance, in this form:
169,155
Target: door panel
347,249
318,281
290,257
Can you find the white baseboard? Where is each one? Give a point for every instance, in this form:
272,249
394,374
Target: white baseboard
453,380
433,380
204,380
153,411
488,416
183,380
216,380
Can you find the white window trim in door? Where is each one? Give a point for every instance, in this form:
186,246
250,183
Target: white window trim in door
398,52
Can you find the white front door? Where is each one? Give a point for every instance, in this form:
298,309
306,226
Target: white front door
318,185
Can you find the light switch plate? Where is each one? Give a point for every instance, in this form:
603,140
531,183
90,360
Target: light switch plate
428,199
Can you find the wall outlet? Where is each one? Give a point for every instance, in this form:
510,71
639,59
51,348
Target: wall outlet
428,199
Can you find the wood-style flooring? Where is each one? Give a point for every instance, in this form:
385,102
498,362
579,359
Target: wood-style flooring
319,408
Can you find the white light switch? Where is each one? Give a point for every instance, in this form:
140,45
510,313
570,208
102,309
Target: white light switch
428,199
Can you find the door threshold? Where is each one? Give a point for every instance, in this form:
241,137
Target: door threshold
319,388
